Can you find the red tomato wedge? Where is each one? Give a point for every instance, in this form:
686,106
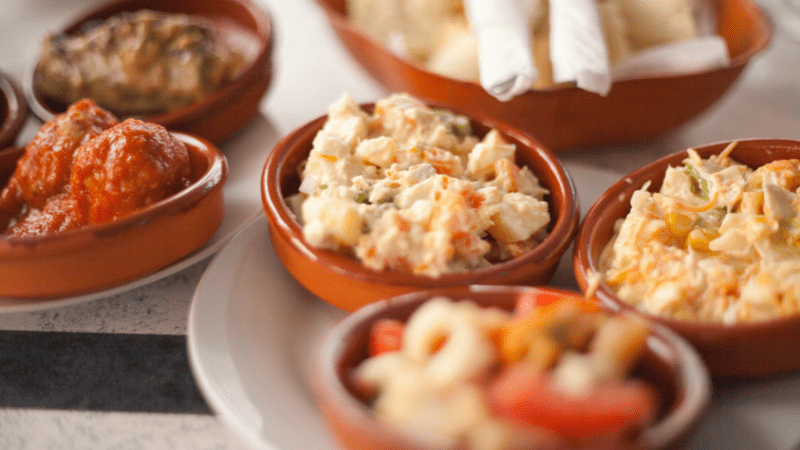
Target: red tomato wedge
386,336
529,301
531,397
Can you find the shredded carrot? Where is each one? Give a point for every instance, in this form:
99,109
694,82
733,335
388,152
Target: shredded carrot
694,208
330,158
725,153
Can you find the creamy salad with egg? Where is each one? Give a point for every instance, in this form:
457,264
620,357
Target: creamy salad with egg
719,242
411,188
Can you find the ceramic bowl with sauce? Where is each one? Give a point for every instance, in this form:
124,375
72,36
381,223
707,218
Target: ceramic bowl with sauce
241,23
98,257
13,110
737,350
669,364
562,118
345,282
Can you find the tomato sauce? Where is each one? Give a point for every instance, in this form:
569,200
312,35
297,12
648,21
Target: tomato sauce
85,167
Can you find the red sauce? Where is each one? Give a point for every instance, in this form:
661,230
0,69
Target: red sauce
84,167
44,169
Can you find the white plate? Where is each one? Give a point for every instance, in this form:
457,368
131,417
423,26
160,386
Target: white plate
246,153
249,334
252,331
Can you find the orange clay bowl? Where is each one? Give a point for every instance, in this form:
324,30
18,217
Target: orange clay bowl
670,365
13,110
741,350
98,257
344,282
567,117
217,115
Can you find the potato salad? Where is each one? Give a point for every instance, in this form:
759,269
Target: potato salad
719,242
411,188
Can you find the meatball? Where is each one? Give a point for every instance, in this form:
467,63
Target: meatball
127,167
44,169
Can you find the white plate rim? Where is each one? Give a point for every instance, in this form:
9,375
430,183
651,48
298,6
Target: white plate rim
202,331
215,347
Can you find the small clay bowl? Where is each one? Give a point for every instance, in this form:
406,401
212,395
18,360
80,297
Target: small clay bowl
13,110
344,281
99,257
670,365
740,350
217,115
563,118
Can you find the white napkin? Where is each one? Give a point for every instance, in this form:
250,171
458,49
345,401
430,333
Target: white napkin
578,50
693,55
504,43
577,45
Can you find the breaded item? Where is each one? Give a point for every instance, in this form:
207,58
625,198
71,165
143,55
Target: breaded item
655,22
615,30
457,55
540,45
419,22
435,33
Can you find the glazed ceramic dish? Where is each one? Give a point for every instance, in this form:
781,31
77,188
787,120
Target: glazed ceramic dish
13,110
740,350
564,118
98,257
345,282
227,109
670,365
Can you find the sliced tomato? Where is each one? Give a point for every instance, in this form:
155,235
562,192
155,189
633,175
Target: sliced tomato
528,301
386,336
529,396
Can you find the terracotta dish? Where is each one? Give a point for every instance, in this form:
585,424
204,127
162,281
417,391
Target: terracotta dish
13,110
346,283
670,365
741,350
215,116
564,118
98,257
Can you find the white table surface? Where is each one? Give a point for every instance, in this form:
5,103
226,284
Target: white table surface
311,70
